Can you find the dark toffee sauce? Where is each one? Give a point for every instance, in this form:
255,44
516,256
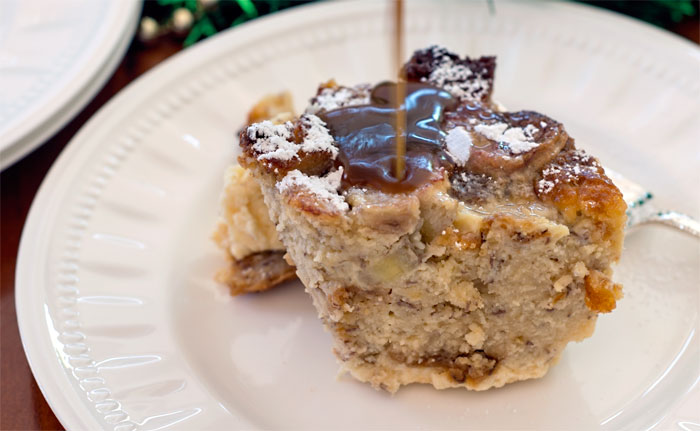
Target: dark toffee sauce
367,134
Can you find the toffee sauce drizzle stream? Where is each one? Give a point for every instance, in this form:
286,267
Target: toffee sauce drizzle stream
366,137
400,92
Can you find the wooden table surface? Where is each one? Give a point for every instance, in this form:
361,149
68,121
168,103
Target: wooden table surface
22,406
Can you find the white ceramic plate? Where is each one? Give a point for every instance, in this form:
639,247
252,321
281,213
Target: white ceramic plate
125,329
54,56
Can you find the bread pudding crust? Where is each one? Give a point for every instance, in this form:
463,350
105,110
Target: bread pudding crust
256,272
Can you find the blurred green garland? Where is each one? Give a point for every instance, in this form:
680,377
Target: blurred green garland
194,20
663,13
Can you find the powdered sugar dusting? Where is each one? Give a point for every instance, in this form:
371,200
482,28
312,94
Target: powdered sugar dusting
325,189
545,186
517,139
530,131
577,165
457,78
334,178
333,98
275,141
491,131
272,141
317,137
585,158
459,143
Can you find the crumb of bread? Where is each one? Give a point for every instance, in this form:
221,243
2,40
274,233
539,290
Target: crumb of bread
271,106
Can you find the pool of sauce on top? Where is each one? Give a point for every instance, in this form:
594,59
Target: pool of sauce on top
366,137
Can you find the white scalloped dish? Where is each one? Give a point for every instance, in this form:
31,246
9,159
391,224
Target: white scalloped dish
125,328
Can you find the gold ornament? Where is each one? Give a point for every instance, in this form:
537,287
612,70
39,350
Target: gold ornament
148,29
182,20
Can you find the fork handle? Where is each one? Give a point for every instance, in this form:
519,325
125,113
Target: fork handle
676,220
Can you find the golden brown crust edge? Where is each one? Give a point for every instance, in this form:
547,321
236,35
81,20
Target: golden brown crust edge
256,273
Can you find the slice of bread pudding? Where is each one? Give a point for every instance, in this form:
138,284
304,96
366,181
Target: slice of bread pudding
244,229
479,266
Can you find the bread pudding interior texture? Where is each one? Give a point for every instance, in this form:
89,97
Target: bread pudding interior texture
475,276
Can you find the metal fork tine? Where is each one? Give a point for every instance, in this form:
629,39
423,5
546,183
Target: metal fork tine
640,211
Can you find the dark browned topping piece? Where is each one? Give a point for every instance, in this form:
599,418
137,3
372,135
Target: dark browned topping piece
313,163
425,61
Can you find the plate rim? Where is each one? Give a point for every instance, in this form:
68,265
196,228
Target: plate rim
53,380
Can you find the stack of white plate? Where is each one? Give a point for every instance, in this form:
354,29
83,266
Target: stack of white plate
54,57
